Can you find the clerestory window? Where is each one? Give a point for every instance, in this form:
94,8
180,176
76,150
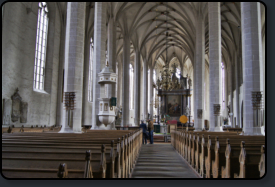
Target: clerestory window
41,45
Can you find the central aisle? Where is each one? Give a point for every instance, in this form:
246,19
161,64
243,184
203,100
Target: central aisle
161,161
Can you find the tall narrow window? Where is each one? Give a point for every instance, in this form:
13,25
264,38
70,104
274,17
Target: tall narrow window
178,73
41,45
90,71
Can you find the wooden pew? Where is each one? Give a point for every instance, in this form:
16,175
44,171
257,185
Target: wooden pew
130,140
25,165
248,154
262,161
226,153
207,156
65,146
111,154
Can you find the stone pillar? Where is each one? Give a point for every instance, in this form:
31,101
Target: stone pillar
225,92
252,58
111,48
137,88
214,62
119,83
199,74
231,97
87,105
99,58
237,114
145,89
151,94
125,81
74,61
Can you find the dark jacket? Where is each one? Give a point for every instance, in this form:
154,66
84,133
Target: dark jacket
144,128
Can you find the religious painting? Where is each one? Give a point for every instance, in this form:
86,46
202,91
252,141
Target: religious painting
174,105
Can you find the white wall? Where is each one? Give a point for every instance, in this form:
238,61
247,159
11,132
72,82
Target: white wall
18,53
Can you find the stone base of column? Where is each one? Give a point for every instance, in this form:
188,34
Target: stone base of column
94,128
66,129
216,129
255,131
77,130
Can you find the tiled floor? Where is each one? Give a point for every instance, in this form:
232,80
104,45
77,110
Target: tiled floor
161,161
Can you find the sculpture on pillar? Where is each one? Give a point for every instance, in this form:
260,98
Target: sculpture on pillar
199,113
189,82
217,109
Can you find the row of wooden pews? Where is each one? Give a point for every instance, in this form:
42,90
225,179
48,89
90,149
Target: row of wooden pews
222,154
94,154
12,129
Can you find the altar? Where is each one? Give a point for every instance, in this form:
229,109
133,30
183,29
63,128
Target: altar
174,94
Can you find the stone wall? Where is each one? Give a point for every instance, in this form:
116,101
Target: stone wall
18,54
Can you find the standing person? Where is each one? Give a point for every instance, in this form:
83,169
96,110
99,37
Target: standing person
151,130
144,130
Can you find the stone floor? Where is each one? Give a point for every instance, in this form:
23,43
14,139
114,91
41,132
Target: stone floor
161,161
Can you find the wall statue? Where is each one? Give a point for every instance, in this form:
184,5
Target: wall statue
16,106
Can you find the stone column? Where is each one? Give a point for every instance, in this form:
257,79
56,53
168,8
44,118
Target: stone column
119,83
99,58
145,89
151,93
74,60
199,74
111,48
225,92
125,81
231,94
214,63
252,58
137,88
237,92
87,105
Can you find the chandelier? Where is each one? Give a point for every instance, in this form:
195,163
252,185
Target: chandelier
166,81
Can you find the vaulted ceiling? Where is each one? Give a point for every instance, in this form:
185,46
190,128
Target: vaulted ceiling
154,27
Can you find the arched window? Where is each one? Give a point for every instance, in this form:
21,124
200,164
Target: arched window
90,71
41,45
178,73
131,73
